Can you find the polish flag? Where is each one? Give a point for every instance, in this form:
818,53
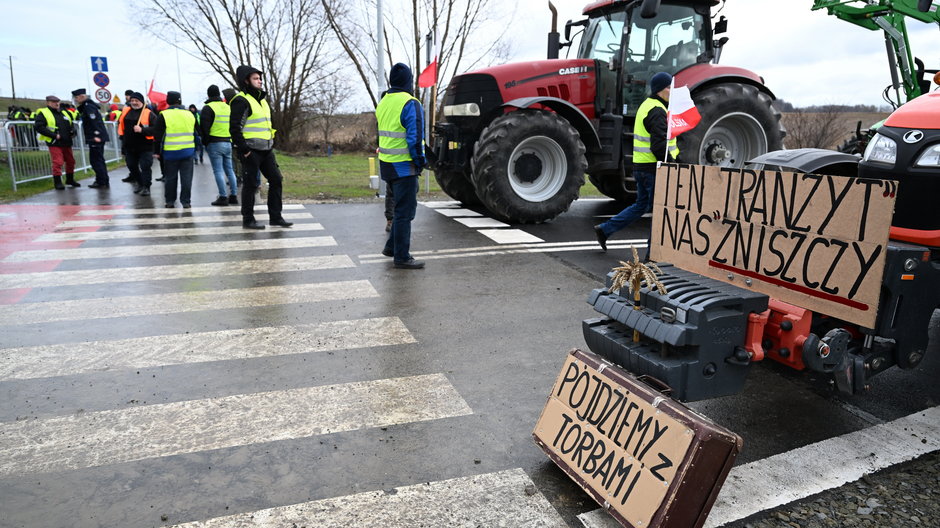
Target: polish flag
428,77
682,114
158,98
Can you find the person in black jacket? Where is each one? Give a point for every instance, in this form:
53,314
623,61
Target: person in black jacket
138,146
649,146
96,135
256,152
56,130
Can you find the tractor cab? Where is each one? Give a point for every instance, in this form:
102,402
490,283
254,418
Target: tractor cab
635,47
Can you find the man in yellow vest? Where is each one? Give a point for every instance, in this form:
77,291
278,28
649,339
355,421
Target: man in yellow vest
175,138
400,120
214,124
253,137
55,128
649,147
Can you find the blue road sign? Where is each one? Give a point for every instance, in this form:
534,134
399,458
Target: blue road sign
99,64
101,80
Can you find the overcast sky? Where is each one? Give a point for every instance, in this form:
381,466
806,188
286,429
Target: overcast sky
807,57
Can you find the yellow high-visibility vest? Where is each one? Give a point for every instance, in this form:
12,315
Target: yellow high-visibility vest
393,145
50,123
257,129
220,124
179,129
642,143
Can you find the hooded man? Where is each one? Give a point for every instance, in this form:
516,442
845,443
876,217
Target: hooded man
96,135
138,147
253,137
214,124
400,120
55,128
649,146
174,136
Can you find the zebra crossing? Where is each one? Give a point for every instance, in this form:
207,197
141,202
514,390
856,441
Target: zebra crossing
122,438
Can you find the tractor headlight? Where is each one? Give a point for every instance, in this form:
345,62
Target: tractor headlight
930,157
462,110
881,149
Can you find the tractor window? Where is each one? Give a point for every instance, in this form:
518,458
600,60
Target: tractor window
601,39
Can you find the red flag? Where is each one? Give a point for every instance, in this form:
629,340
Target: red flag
158,98
682,114
428,77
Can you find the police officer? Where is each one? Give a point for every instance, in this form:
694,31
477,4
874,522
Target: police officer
400,120
175,137
96,135
649,147
55,128
253,136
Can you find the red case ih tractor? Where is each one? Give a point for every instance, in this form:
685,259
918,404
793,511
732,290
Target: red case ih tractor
519,138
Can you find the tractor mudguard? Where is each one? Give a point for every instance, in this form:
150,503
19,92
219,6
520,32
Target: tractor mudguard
570,112
811,160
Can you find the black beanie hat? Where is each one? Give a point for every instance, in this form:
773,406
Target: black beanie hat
659,82
213,91
136,95
128,93
401,77
174,98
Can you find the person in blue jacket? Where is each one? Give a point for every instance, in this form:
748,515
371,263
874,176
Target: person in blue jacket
400,120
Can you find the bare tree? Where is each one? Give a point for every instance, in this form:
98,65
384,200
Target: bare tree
822,128
287,39
470,36
331,96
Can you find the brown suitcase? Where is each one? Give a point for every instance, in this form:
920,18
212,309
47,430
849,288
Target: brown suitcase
646,458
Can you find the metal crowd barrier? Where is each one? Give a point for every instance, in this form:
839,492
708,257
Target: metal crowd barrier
28,156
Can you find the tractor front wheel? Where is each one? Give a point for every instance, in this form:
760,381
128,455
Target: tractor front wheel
458,186
529,166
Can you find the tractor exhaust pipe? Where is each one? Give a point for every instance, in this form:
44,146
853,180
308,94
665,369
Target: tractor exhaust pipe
554,39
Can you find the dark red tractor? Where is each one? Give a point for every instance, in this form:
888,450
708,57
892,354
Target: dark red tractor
520,137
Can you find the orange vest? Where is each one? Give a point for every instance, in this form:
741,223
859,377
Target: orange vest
143,121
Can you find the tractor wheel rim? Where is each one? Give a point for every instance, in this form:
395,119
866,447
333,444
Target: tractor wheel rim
549,158
739,135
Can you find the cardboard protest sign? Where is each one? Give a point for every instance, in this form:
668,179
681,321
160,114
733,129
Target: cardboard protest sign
815,241
644,457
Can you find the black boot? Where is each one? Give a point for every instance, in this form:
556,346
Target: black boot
57,182
70,181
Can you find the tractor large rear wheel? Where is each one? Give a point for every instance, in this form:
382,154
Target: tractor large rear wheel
528,166
738,123
458,186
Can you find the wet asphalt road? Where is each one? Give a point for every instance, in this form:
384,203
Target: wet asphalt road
491,327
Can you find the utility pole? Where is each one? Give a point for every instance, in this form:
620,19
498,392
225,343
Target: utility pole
12,85
380,39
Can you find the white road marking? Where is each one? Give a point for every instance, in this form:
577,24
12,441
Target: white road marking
446,211
171,232
781,479
476,223
253,244
191,301
509,236
442,203
197,347
491,500
237,217
173,271
215,208
116,436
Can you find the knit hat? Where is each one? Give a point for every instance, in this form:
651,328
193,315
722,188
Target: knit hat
128,93
401,77
213,91
136,95
660,81
174,98
229,94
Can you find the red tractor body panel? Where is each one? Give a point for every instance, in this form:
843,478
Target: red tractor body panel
923,112
699,73
573,80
